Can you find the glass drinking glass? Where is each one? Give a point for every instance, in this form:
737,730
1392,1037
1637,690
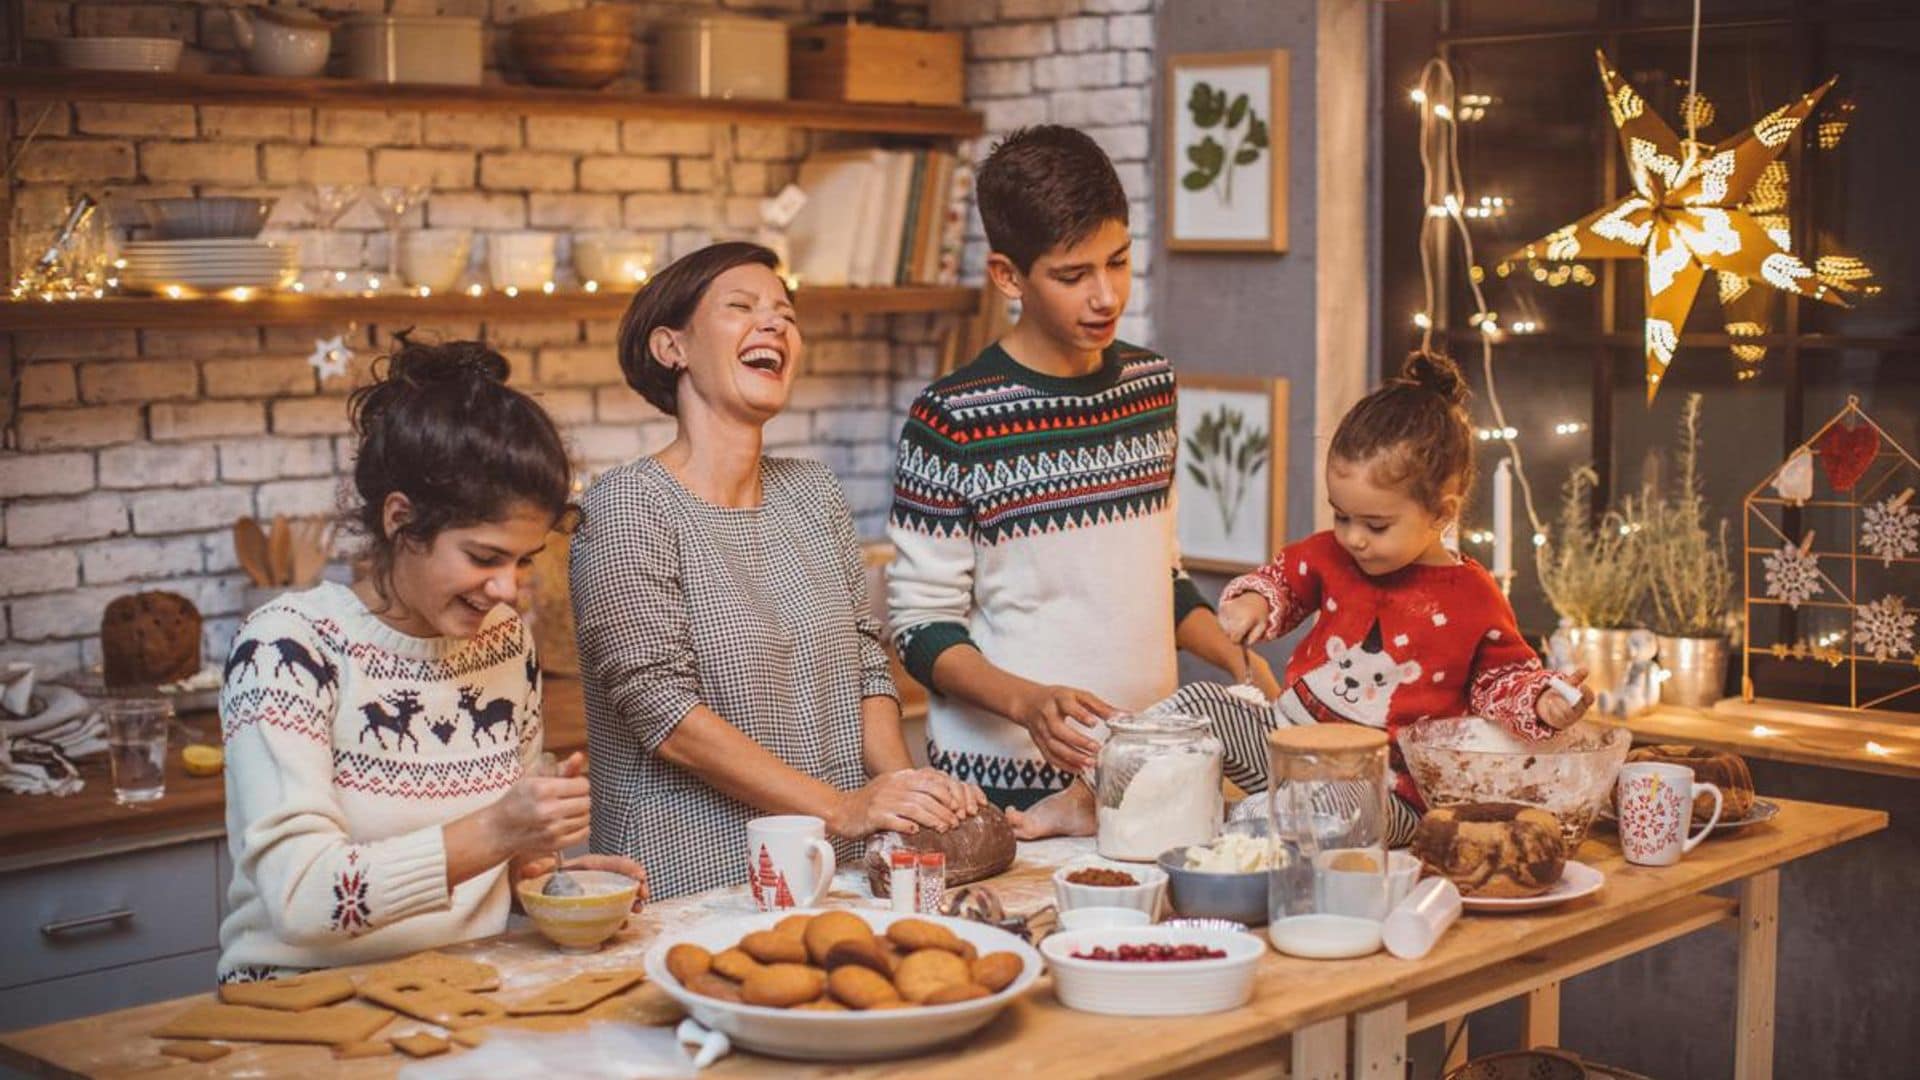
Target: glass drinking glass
137,747
393,201
1327,827
328,203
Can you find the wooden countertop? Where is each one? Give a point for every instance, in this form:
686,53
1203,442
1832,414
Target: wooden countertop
1793,732
39,828
1039,1036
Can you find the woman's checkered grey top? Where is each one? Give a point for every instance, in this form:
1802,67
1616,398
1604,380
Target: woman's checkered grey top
759,614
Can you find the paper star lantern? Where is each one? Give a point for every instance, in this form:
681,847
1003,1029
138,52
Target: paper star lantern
330,356
1686,216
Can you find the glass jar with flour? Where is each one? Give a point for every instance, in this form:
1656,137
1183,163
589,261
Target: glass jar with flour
1158,785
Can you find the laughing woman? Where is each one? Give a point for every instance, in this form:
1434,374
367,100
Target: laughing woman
731,666
379,737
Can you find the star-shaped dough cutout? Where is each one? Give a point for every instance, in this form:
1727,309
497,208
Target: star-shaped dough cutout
330,356
1688,214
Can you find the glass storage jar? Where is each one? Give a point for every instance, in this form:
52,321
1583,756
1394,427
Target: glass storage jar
1157,785
1327,827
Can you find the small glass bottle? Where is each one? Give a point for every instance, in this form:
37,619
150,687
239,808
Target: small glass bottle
931,879
901,887
1327,828
1158,785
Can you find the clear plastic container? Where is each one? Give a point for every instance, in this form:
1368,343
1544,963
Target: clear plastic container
1327,825
1157,783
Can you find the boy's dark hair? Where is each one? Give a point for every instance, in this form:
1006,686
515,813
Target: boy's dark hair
1046,187
1414,431
441,426
669,299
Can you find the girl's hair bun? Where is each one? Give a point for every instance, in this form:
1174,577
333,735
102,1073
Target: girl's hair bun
452,362
1437,373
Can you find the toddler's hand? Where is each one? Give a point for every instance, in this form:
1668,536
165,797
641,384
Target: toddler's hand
1556,711
1244,618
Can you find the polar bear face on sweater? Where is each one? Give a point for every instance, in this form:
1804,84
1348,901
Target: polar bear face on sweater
1357,682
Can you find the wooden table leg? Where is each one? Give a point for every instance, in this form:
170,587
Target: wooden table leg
1759,949
1456,1033
1380,1043
1542,1016
1320,1051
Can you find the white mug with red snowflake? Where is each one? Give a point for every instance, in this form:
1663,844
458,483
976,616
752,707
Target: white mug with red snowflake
1655,804
789,862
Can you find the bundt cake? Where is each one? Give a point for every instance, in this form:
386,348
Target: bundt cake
1723,770
1492,849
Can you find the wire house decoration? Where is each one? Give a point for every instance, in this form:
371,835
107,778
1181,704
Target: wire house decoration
1831,547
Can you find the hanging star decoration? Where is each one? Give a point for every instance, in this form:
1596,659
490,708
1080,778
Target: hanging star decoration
330,356
1685,215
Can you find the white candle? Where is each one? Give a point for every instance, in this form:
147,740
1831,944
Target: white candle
1503,519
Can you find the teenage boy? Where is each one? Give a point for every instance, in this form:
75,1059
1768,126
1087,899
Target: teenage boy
1037,585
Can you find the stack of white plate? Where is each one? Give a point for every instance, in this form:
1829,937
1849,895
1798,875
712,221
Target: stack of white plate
208,265
118,53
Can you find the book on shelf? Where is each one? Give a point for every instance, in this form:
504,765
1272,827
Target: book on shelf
881,217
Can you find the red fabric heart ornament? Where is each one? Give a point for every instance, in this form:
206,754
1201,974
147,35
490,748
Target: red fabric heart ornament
1845,454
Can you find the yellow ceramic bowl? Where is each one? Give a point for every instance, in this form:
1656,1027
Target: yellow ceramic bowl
579,924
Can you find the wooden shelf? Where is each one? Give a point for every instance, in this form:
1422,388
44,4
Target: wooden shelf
62,84
289,309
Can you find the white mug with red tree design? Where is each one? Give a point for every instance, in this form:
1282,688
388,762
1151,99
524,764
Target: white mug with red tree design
789,862
1655,803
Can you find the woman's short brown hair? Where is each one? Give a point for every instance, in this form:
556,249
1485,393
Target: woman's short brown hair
669,299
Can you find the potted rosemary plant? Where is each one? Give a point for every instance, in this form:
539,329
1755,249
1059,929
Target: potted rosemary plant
1590,569
1689,577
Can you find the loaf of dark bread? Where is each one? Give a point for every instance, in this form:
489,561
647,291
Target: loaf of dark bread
1492,849
979,847
150,638
1723,770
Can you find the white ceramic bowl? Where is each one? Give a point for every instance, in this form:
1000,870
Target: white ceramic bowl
523,260
1144,896
614,259
118,53
1103,918
1170,988
840,1036
435,258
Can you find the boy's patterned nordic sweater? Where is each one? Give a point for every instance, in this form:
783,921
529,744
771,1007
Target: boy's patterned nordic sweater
349,746
1033,518
1389,651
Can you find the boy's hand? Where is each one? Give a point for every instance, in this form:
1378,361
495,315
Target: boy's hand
1244,618
1556,711
1056,717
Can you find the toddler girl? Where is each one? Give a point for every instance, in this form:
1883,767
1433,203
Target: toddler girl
1407,629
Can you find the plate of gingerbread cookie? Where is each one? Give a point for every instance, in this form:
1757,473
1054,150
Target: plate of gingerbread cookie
842,985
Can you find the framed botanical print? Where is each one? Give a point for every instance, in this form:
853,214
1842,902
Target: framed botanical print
1232,471
1226,150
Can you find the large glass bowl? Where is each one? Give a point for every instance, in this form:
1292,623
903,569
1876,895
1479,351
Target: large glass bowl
1467,759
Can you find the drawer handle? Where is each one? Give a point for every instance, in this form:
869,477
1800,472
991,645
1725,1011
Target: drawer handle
68,926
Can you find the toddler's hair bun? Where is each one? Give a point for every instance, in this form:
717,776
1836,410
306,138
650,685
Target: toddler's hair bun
1437,373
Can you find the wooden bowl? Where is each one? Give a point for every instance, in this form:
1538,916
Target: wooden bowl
588,61
602,19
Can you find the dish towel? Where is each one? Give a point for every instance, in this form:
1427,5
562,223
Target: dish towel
41,731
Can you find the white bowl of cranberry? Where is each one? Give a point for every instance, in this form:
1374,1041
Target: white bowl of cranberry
1153,970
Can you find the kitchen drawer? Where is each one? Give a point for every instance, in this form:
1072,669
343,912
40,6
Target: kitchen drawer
77,917
104,991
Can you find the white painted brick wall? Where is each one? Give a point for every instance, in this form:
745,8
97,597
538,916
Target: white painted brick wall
135,450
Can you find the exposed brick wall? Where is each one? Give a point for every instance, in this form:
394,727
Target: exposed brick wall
135,450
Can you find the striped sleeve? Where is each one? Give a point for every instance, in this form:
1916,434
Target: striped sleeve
930,583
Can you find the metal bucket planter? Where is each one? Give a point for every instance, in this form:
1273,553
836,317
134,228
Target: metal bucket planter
1604,653
1696,670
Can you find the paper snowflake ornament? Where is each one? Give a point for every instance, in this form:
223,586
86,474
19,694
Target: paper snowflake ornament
1686,215
1891,529
1793,574
330,356
1884,628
